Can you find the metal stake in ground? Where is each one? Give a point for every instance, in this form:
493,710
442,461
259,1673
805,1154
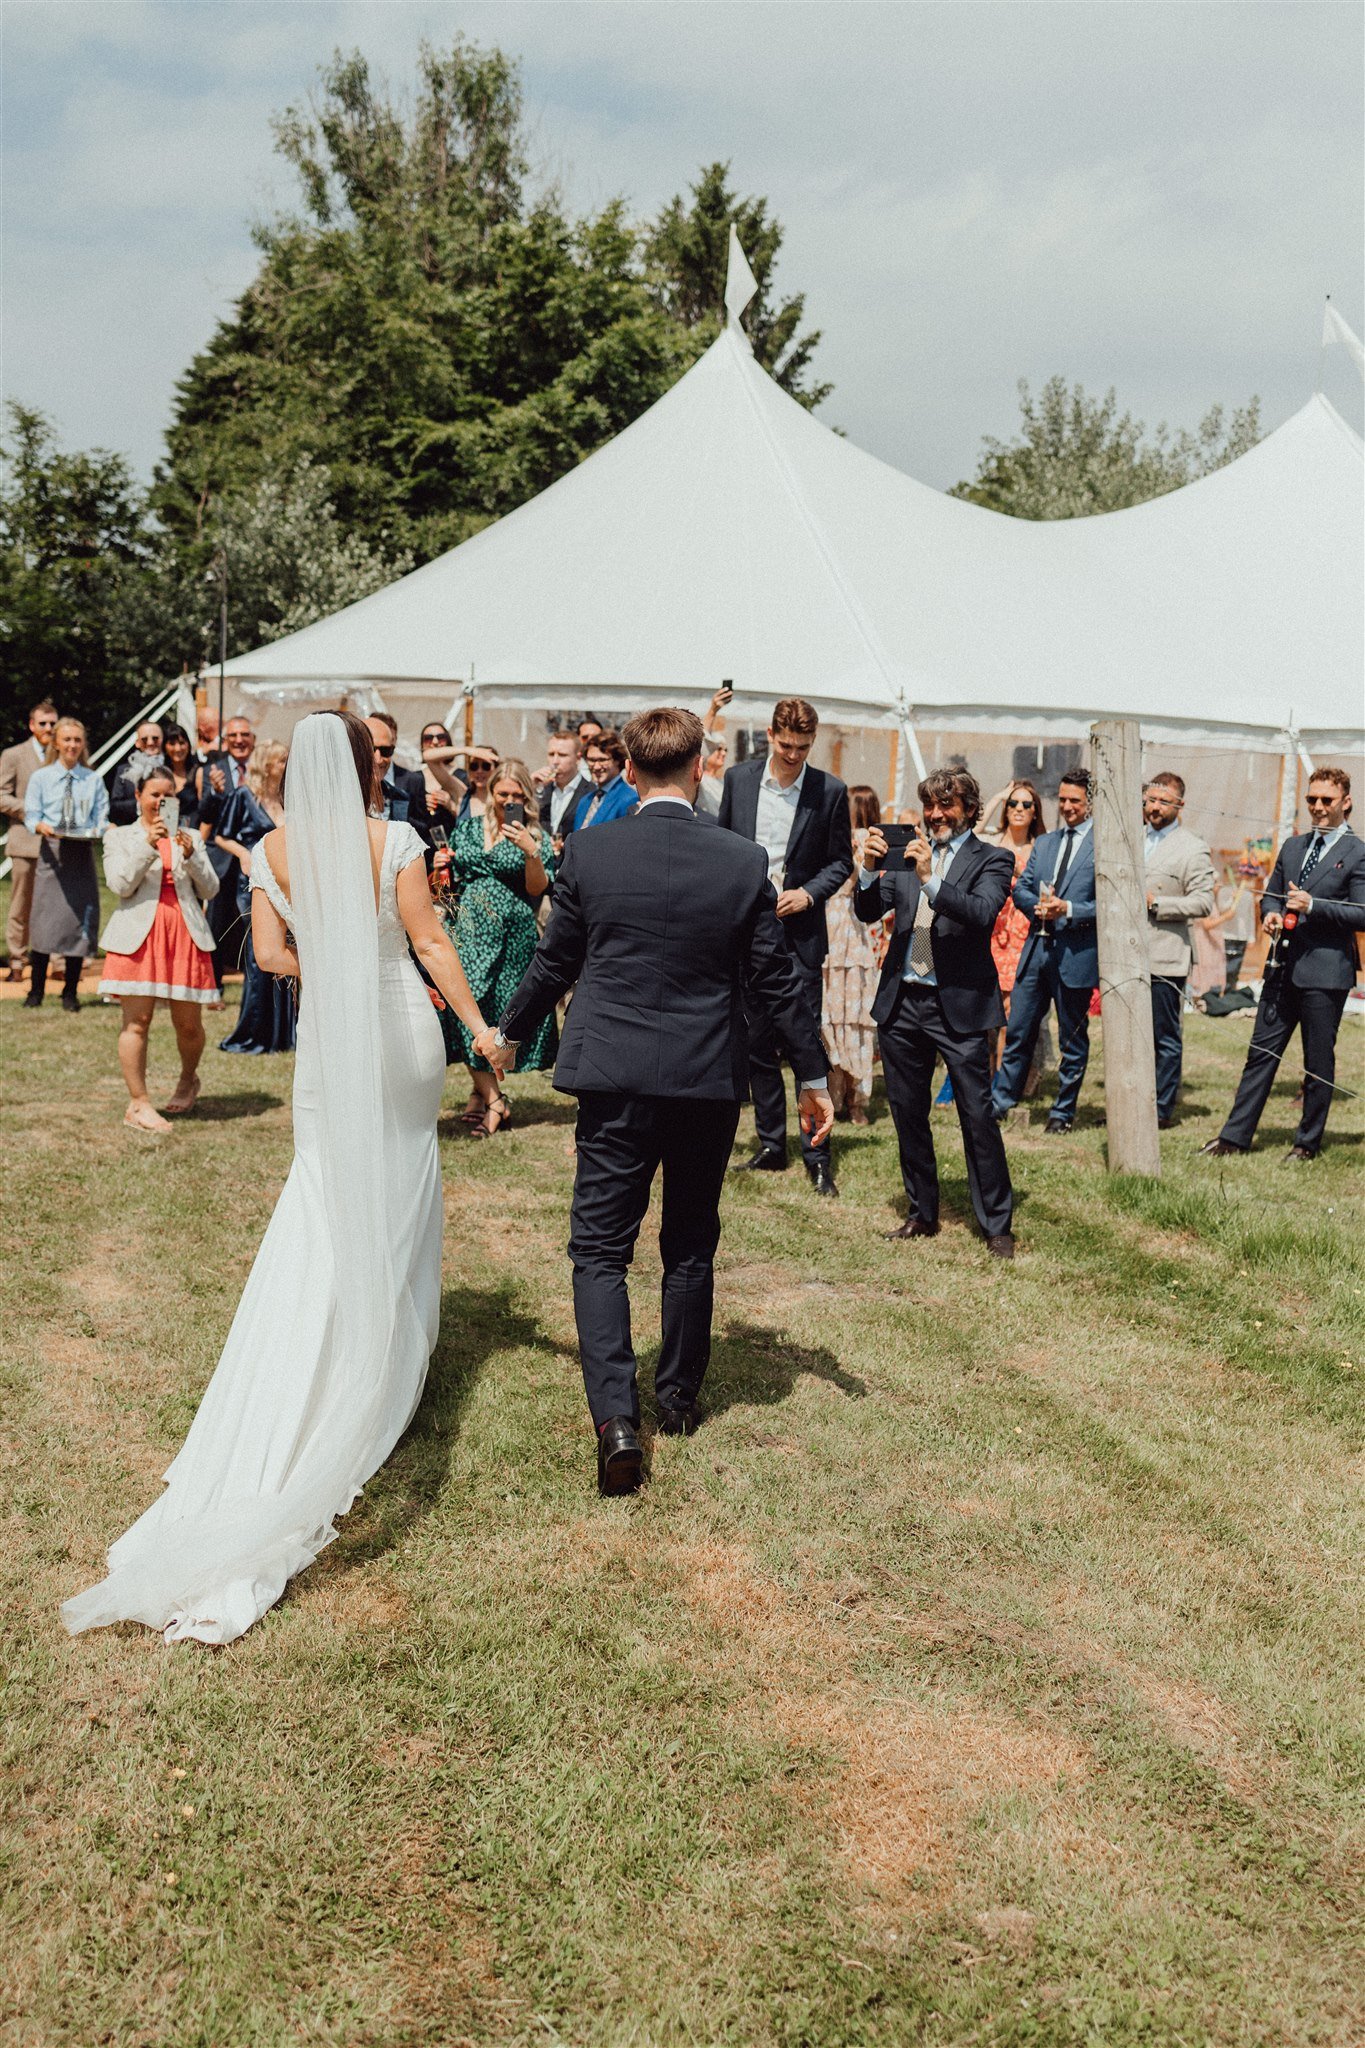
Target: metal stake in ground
1125,977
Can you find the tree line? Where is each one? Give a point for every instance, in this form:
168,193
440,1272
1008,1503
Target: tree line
426,344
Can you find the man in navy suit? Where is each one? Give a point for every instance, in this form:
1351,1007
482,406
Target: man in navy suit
799,816
939,995
611,795
664,924
1317,889
1060,963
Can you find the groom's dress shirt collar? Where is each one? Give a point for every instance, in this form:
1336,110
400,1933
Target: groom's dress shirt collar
681,801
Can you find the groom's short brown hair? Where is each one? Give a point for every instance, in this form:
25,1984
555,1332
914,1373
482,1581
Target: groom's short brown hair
661,743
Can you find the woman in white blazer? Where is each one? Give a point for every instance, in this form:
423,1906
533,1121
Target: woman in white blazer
158,946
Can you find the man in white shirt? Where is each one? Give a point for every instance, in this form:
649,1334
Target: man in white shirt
17,764
561,783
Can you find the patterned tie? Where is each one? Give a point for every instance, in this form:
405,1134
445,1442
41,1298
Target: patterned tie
68,823
1314,856
921,947
593,808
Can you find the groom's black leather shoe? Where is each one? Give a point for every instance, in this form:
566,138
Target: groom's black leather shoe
678,1421
618,1456
765,1160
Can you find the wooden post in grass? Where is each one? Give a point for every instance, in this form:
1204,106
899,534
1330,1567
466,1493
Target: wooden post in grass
1125,977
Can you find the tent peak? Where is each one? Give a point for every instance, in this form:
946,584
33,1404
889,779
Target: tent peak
740,284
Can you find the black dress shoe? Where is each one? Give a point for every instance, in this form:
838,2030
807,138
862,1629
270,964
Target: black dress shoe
822,1177
1001,1246
1165,1123
71,1003
1219,1148
912,1227
1297,1154
32,1002
765,1160
1056,1126
678,1421
618,1456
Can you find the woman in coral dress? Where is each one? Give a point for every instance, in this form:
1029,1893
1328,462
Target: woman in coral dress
1021,821
158,946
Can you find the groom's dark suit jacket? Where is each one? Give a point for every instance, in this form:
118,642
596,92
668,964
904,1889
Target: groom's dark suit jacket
664,922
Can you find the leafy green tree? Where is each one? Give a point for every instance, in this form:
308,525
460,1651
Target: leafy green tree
441,345
1074,455
74,536
686,255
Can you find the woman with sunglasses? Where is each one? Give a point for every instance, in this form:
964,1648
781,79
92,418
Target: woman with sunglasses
1021,821
445,788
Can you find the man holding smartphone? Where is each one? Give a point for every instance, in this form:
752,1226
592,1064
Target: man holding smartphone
939,994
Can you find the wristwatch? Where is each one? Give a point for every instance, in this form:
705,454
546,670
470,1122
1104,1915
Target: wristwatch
503,1043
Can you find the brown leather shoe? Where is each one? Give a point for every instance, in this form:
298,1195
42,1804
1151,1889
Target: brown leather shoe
15,974
1219,1148
912,1227
1298,1155
1001,1247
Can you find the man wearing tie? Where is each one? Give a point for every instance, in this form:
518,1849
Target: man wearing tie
1180,884
1314,920
220,775
611,796
1060,963
939,994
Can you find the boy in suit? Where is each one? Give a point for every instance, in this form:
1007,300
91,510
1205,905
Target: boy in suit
1180,885
799,816
1060,963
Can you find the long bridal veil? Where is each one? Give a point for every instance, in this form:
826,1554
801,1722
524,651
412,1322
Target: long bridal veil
315,1383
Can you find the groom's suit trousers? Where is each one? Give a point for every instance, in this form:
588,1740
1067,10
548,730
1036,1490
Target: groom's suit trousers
623,1140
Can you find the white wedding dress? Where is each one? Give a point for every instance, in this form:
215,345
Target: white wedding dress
326,1358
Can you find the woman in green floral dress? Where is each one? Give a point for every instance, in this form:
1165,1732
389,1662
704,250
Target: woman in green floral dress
501,869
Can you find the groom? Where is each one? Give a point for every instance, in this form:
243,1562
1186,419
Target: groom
667,925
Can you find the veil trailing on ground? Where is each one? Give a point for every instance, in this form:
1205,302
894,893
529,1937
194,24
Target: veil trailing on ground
326,1356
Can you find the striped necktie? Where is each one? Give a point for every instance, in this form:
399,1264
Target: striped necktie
68,823
921,945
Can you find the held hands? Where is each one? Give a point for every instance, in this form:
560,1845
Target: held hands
816,1112
499,1057
793,901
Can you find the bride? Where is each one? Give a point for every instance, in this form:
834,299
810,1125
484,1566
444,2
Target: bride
327,1354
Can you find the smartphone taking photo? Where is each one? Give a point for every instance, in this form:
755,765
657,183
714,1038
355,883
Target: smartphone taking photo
169,807
514,814
897,837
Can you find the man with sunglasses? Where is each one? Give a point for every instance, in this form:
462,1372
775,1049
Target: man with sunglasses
402,791
1313,921
17,765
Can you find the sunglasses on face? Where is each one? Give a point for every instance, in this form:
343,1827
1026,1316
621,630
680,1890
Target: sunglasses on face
384,753
435,739
1324,802
1020,803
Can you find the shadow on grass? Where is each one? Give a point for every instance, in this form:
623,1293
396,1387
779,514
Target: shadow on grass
756,1367
224,1109
476,1324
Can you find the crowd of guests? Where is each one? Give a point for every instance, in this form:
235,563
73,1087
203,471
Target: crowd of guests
963,944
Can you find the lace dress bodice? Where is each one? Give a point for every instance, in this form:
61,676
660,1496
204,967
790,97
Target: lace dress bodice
402,847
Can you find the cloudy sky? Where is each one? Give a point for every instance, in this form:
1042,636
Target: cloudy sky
1151,196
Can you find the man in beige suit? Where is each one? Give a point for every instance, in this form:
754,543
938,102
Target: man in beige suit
17,764
1180,886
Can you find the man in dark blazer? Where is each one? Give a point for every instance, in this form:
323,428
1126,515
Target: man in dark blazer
939,994
799,816
222,772
1313,907
663,922
1060,964
403,791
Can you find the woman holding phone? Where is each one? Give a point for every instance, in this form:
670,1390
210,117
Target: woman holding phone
503,863
158,946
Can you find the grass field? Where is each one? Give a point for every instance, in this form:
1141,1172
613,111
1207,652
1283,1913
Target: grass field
986,1670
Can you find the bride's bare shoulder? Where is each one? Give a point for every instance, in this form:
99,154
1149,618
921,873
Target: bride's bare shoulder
276,849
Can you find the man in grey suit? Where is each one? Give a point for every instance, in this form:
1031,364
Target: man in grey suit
1313,908
17,764
1180,884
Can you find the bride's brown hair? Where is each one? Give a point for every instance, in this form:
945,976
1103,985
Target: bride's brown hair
362,752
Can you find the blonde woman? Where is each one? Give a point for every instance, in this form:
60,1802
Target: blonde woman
265,1022
157,945
504,863
67,806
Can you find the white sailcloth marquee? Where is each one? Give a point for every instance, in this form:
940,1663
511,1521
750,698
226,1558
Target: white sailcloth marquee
728,533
